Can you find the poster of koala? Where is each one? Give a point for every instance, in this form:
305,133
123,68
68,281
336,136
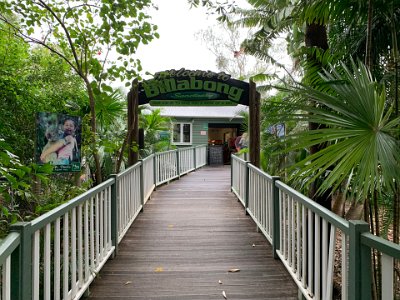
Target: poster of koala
58,141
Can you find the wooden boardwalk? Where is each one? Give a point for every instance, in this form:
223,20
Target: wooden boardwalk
191,233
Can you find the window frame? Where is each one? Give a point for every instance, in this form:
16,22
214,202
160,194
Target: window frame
180,142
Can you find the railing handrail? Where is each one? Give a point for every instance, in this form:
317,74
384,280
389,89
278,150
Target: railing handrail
331,217
128,170
235,157
59,211
8,245
96,209
380,244
165,152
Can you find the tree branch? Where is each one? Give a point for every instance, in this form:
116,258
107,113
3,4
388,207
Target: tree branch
71,8
69,39
20,34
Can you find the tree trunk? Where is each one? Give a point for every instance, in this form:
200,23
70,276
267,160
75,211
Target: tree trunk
396,191
93,128
124,144
368,217
316,36
396,214
368,44
133,123
378,277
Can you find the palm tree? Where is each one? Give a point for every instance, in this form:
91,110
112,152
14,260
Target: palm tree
152,124
110,118
360,134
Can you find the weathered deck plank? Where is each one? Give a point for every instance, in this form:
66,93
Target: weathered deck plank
190,234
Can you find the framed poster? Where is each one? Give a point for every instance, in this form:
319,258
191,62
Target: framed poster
58,141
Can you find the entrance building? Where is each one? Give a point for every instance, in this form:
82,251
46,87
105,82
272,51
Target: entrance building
217,126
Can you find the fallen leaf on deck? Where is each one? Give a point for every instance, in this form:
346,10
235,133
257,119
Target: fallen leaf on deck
128,282
234,270
223,294
159,270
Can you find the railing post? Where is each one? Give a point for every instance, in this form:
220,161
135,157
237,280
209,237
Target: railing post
155,170
246,196
141,184
178,171
21,273
231,172
276,234
359,279
194,158
114,214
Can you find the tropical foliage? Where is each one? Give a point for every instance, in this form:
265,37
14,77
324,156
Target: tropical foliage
349,149
63,56
360,133
156,130
85,35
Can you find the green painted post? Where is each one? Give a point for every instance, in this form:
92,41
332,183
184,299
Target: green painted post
21,273
246,197
366,272
141,185
359,262
178,172
276,235
114,214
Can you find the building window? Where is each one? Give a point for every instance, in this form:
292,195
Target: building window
182,134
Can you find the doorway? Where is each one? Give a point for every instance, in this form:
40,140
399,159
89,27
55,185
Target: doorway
221,141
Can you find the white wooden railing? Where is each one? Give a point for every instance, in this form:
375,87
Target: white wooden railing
260,200
174,163
186,157
129,197
200,156
149,180
166,166
58,255
307,238
8,247
309,234
239,177
71,244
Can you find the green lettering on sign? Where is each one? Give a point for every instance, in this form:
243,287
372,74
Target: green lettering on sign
193,86
192,103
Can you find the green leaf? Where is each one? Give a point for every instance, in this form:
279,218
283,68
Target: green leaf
357,133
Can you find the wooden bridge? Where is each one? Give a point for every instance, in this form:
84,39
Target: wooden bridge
194,237
192,232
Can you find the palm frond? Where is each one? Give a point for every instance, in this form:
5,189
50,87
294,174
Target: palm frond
359,134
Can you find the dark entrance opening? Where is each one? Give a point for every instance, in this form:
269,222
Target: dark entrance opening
221,141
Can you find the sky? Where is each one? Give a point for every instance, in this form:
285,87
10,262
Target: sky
177,46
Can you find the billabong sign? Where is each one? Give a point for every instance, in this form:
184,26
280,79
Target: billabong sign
193,88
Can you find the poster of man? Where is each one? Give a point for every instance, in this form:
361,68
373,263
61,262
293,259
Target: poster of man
59,141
